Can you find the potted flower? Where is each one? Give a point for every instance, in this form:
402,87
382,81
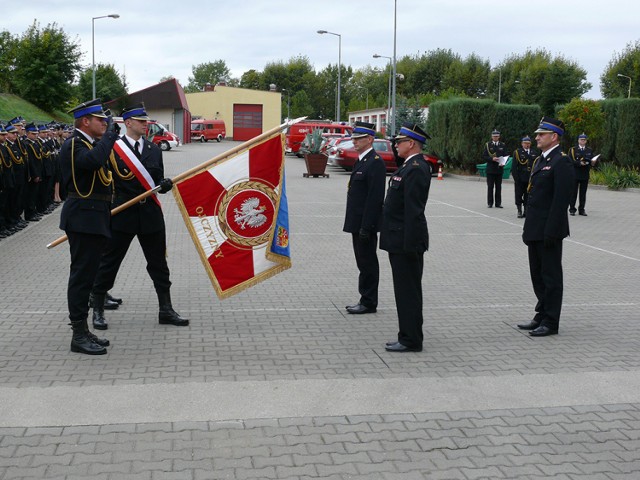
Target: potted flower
315,160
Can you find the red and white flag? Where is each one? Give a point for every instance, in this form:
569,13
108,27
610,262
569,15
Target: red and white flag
231,210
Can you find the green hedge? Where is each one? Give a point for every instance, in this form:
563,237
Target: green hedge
627,142
460,128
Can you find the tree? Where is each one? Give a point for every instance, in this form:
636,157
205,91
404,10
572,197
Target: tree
425,74
165,78
46,65
535,77
207,73
625,63
251,79
109,84
583,116
8,45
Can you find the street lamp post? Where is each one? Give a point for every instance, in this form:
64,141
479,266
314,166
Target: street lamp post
499,84
288,103
93,49
393,87
628,78
321,32
375,55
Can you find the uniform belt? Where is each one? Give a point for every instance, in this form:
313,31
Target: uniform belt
93,196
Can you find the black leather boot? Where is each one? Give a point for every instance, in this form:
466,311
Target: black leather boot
99,322
110,298
103,342
519,211
167,315
108,304
81,342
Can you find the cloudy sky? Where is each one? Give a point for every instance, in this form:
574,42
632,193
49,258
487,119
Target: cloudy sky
157,38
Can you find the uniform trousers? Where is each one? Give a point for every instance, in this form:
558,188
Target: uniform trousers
85,251
580,186
154,247
406,269
31,195
494,182
16,203
545,266
521,192
367,262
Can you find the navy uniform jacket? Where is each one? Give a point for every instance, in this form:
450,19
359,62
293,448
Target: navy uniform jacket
365,194
491,151
19,167
143,217
404,225
6,168
88,164
34,159
581,161
522,163
550,188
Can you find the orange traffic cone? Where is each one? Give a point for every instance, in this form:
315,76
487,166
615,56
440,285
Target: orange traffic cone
440,173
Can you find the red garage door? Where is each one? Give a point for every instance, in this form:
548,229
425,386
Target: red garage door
247,121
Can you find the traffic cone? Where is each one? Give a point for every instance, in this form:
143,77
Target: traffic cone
440,173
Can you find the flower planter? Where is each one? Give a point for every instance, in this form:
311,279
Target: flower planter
316,164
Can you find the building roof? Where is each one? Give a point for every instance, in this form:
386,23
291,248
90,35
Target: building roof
164,95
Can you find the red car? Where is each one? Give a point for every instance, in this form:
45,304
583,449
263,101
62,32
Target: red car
346,156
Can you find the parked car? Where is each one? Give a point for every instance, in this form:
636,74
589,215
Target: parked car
156,133
205,130
346,156
331,148
297,132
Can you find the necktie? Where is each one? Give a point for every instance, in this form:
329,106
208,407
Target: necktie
135,147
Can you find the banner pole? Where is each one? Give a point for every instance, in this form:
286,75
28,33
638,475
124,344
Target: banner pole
186,174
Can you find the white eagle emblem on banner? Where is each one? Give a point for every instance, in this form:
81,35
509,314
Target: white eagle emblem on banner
250,214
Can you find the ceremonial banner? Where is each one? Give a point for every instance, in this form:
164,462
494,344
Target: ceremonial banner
237,215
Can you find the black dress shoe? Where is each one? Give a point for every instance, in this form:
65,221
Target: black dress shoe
532,325
498,206
582,213
99,322
543,331
108,296
351,306
398,347
168,316
360,309
489,206
110,305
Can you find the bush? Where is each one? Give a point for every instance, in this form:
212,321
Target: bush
616,178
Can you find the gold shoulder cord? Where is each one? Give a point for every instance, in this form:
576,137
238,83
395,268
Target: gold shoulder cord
105,176
521,162
20,146
489,151
532,169
114,164
38,157
17,161
7,165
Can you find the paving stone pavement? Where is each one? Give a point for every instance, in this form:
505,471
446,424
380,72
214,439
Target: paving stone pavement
279,382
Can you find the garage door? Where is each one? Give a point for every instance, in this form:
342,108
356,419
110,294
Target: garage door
247,121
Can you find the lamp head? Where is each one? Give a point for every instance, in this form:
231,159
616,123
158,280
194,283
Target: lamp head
322,31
